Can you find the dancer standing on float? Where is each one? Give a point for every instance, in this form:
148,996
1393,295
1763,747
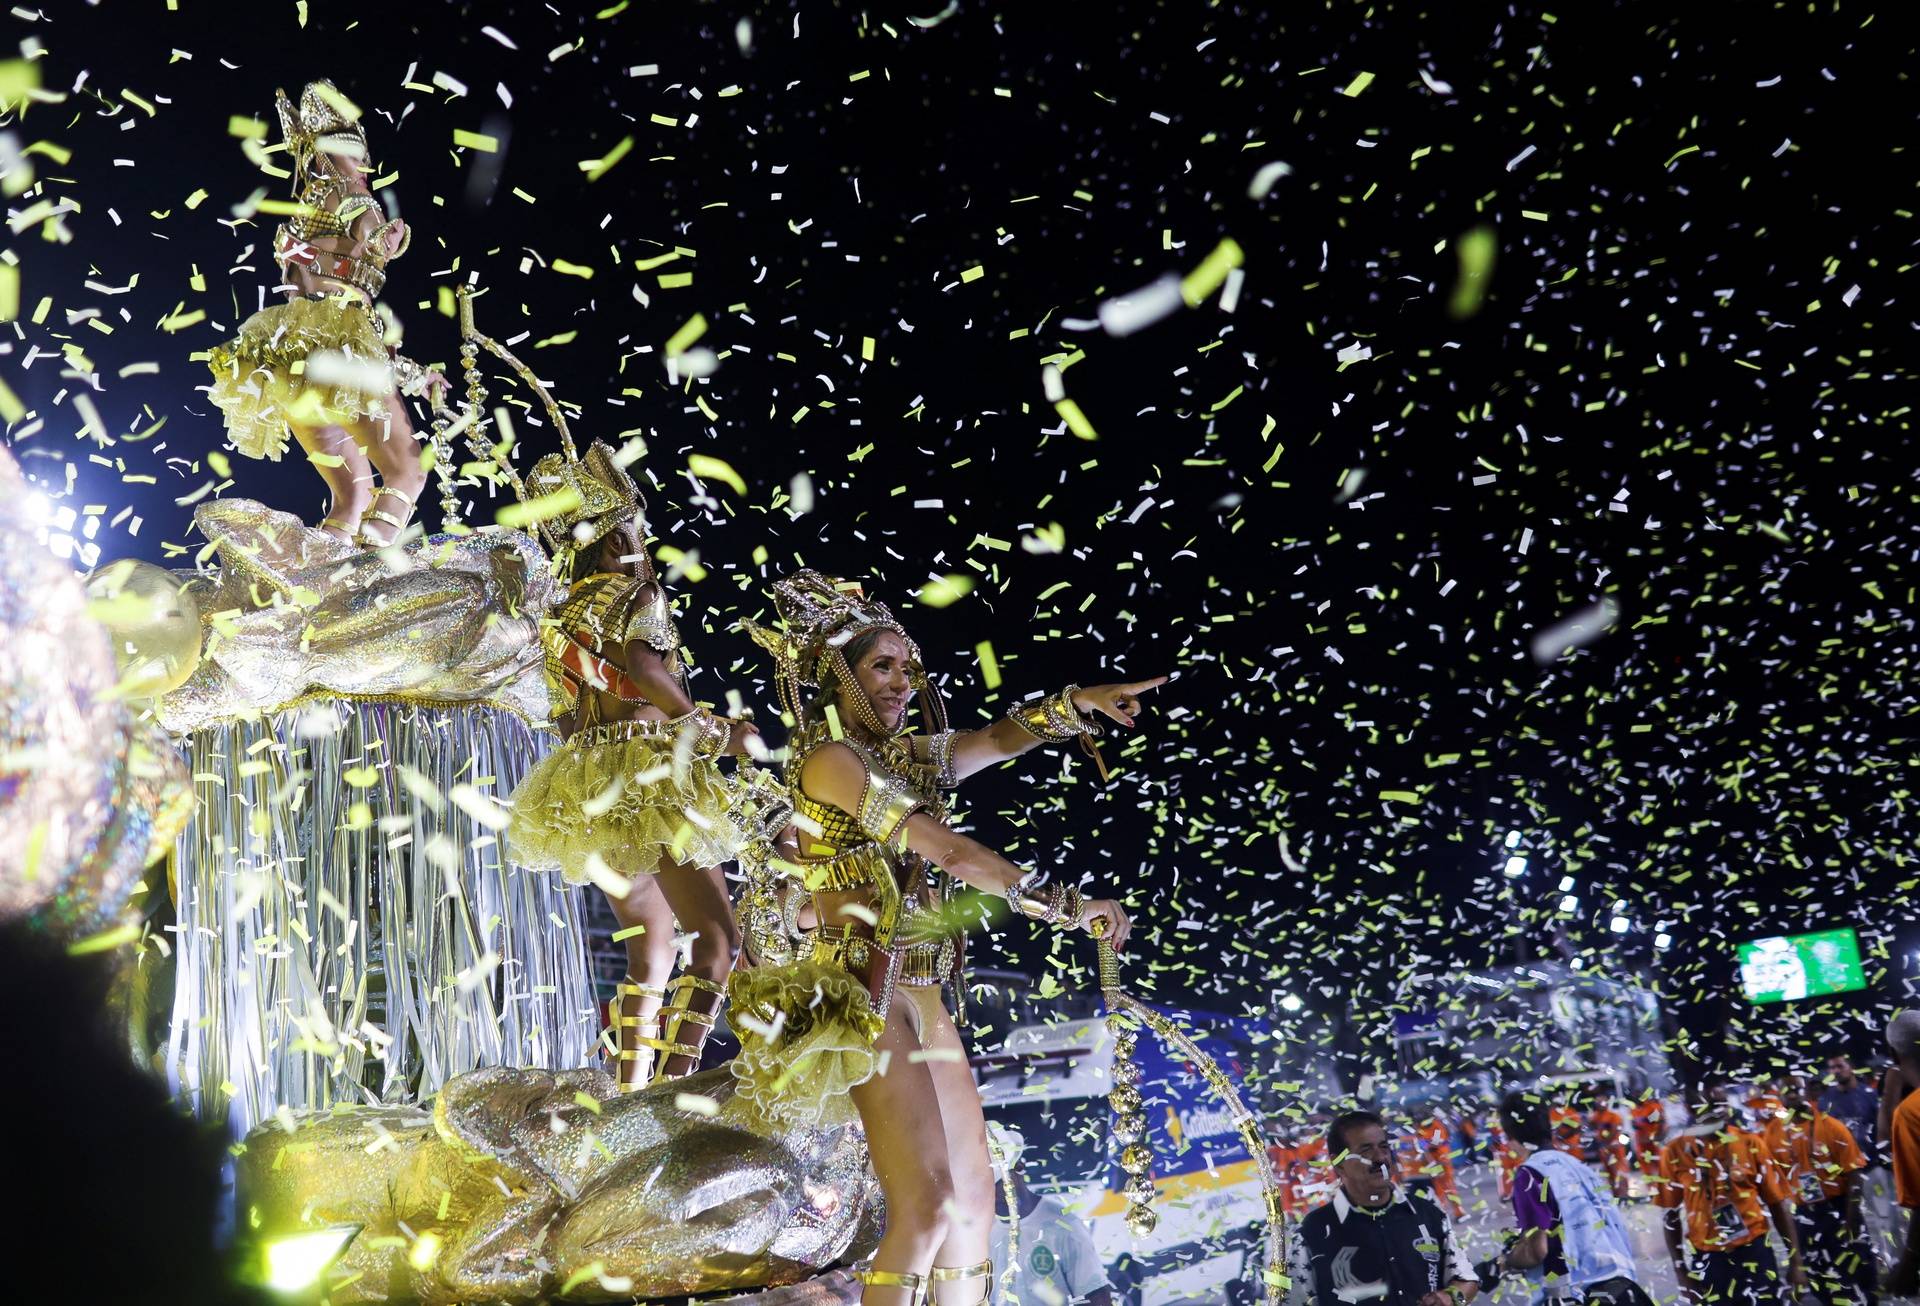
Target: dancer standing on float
321,364
634,790
861,1012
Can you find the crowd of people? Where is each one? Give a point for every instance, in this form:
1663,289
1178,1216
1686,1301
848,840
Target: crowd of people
1762,1192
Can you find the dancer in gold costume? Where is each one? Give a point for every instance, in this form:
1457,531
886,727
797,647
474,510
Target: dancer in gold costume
633,800
320,364
861,1012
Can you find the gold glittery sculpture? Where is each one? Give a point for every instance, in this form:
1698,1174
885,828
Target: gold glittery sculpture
1124,1012
524,1185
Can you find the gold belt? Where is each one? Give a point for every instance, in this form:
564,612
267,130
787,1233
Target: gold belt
613,732
857,868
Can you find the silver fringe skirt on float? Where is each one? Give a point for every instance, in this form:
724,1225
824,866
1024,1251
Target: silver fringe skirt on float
350,928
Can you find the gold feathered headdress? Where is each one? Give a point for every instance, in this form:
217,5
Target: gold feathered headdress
325,122
819,616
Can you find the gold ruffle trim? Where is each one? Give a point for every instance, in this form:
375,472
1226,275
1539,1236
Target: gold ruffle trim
626,800
826,1027
260,382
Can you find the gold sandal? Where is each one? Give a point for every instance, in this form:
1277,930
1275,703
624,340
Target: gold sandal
915,1284
399,524
983,1271
642,1049
679,1014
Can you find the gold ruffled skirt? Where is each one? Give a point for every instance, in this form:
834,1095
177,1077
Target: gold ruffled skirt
806,1031
268,376
624,795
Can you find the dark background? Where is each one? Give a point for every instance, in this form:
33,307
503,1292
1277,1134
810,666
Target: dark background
1675,407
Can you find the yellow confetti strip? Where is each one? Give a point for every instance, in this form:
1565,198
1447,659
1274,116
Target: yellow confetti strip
475,141
709,468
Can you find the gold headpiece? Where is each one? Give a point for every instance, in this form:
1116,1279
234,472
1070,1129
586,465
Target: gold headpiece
325,122
820,615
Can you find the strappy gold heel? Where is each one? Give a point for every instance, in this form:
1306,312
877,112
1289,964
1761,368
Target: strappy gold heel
641,1050
399,524
983,1271
351,529
915,1284
679,1013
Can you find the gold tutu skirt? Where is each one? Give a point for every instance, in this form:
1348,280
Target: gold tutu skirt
806,1033
318,362
620,792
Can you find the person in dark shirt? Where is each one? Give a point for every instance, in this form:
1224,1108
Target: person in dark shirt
1375,1243
1853,1102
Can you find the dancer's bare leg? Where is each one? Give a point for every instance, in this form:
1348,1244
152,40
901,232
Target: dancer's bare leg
907,1140
970,1217
394,450
698,897
649,964
345,469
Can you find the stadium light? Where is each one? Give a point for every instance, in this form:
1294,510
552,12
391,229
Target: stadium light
1663,940
1569,904
1566,883
1620,925
1289,1002
1513,838
1516,865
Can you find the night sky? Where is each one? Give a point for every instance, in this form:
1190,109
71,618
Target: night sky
1585,309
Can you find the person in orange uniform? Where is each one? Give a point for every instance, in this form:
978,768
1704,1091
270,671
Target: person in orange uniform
1822,1164
1437,1134
1718,1186
1903,1133
1649,1132
1610,1140
1509,1157
1567,1126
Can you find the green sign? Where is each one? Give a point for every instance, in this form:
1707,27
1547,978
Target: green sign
1801,966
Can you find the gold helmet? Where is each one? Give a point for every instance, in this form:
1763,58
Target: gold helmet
324,122
606,496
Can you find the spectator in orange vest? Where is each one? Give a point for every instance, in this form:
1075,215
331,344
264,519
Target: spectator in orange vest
1719,1185
1823,1165
1610,1141
1507,1156
1438,1137
1649,1132
1567,1126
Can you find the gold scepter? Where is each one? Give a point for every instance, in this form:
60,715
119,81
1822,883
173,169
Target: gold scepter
1130,1124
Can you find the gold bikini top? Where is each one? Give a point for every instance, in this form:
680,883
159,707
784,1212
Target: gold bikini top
328,208
601,613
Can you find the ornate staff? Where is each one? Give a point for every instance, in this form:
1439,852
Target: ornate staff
1130,1125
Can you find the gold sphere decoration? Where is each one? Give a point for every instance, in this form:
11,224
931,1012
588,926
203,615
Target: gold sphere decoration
1124,1099
1141,1220
1136,1158
154,624
1139,1190
1129,1129
1125,1072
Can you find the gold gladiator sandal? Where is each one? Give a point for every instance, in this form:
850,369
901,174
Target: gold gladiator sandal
678,1014
944,1274
373,513
639,1050
915,1284
349,530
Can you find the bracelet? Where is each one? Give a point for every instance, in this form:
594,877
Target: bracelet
1021,889
1054,718
715,734
1061,907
